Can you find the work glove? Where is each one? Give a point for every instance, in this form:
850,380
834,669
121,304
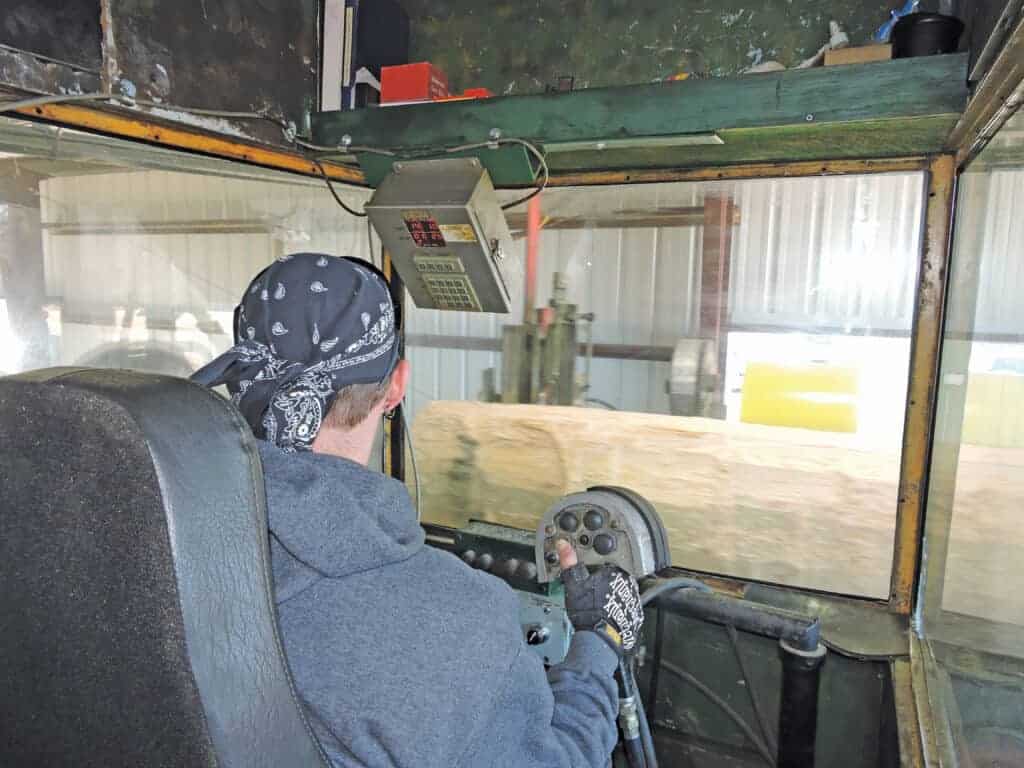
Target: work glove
606,601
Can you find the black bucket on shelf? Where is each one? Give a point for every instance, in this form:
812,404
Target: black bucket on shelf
925,34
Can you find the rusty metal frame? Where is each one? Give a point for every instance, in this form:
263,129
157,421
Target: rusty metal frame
123,124
783,170
926,340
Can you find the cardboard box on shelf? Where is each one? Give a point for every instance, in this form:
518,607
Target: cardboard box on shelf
859,55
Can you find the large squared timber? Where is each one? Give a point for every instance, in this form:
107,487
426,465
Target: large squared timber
880,109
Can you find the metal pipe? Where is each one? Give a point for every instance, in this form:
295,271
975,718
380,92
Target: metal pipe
533,225
798,708
797,630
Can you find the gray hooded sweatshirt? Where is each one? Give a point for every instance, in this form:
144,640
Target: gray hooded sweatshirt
405,656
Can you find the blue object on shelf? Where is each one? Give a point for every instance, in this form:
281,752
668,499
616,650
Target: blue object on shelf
884,32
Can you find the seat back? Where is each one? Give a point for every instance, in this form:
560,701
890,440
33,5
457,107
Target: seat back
137,621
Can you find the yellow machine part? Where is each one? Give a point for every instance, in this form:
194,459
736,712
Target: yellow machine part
991,417
821,397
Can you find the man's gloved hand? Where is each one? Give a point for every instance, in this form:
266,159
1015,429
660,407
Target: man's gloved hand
606,601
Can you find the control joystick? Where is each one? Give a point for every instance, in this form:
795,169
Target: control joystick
606,525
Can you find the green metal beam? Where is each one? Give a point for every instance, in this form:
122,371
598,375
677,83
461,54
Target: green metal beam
863,139
824,112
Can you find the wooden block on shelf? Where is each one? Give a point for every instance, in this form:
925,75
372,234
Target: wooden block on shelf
859,55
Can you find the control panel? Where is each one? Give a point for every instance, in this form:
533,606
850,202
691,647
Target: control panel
500,550
606,525
508,553
546,626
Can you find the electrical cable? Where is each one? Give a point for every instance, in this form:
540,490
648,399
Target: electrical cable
412,456
369,240
493,144
343,148
632,743
634,749
723,705
655,678
646,737
670,585
755,700
334,193
289,132
126,101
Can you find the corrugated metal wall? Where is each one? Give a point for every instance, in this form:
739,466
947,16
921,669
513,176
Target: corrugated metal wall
835,255
1001,252
827,252
174,244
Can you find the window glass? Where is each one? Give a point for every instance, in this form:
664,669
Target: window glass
736,352
971,602
116,254
124,255
974,541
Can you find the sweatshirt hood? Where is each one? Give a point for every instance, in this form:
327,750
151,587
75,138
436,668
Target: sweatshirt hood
335,517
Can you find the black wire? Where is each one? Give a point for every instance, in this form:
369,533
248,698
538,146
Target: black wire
334,194
723,705
544,168
659,641
493,144
646,736
369,240
628,689
755,700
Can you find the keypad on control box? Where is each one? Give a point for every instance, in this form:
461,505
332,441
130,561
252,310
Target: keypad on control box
587,528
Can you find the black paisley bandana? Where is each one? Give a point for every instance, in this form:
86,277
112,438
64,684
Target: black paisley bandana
308,326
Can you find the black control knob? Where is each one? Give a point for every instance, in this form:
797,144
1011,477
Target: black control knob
568,521
593,520
551,558
469,556
484,562
604,544
510,566
528,571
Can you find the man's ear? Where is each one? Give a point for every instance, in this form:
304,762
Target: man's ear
399,383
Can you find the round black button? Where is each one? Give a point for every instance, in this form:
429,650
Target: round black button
584,540
469,556
552,558
510,566
527,571
594,520
604,544
485,562
568,521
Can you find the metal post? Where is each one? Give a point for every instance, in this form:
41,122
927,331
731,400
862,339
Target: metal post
532,256
798,708
924,356
394,430
714,293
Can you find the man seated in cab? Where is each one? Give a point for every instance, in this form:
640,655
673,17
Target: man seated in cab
402,654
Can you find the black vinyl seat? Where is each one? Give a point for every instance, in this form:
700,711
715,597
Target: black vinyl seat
137,621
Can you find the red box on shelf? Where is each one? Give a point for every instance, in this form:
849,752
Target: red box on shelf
412,82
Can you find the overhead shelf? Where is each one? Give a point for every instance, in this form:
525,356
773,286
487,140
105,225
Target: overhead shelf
877,110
